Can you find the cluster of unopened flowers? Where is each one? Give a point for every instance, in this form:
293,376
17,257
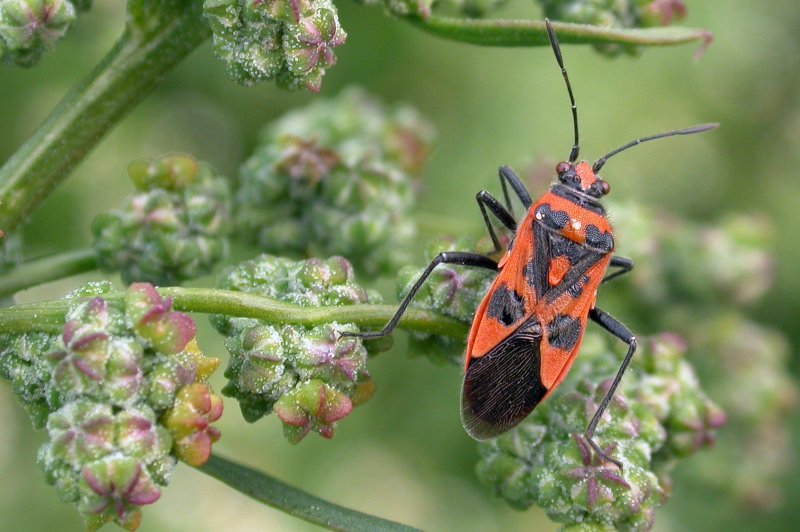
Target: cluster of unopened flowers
308,375
122,393
289,41
336,178
174,228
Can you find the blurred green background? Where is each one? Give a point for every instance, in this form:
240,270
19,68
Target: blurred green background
404,454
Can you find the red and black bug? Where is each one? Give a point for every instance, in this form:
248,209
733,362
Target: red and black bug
527,330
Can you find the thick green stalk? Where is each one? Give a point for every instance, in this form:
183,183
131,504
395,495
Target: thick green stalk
498,32
158,35
293,501
44,270
49,316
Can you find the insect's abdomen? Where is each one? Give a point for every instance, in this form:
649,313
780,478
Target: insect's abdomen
502,387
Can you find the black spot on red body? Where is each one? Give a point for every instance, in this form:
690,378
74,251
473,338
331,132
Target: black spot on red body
599,240
563,332
550,218
502,387
560,245
506,306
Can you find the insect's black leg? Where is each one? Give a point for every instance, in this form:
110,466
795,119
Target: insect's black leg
609,323
507,197
507,175
448,257
623,263
486,200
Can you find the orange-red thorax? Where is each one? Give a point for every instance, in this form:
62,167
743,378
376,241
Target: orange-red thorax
579,220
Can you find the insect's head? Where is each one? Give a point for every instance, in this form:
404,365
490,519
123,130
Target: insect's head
582,178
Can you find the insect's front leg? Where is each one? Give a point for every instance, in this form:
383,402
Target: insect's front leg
487,201
610,324
449,257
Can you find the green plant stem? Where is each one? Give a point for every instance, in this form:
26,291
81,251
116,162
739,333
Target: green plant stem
150,46
293,501
499,32
49,316
44,270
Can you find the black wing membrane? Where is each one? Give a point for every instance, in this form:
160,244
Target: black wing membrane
502,387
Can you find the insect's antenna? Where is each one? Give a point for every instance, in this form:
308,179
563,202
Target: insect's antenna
687,131
573,155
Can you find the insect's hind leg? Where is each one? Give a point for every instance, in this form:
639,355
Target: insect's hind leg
624,264
610,324
449,257
487,201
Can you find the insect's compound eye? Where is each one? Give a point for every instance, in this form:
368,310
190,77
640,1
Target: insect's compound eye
605,187
563,167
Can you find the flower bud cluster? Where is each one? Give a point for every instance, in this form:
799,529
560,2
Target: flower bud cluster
122,393
658,415
289,41
29,28
745,365
424,8
173,229
23,364
724,263
696,279
334,179
308,375
615,13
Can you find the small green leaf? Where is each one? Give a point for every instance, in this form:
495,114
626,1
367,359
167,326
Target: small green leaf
293,501
500,32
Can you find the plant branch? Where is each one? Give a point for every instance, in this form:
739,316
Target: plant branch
499,32
158,35
46,269
49,316
271,491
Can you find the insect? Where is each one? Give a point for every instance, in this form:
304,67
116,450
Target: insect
528,329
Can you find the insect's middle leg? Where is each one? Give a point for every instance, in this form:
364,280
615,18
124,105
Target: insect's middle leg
623,263
610,324
449,257
507,176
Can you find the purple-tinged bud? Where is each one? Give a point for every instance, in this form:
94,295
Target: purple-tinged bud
114,488
30,27
81,432
309,48
662,12
189,421
95,358
154,321
311,406
304,159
